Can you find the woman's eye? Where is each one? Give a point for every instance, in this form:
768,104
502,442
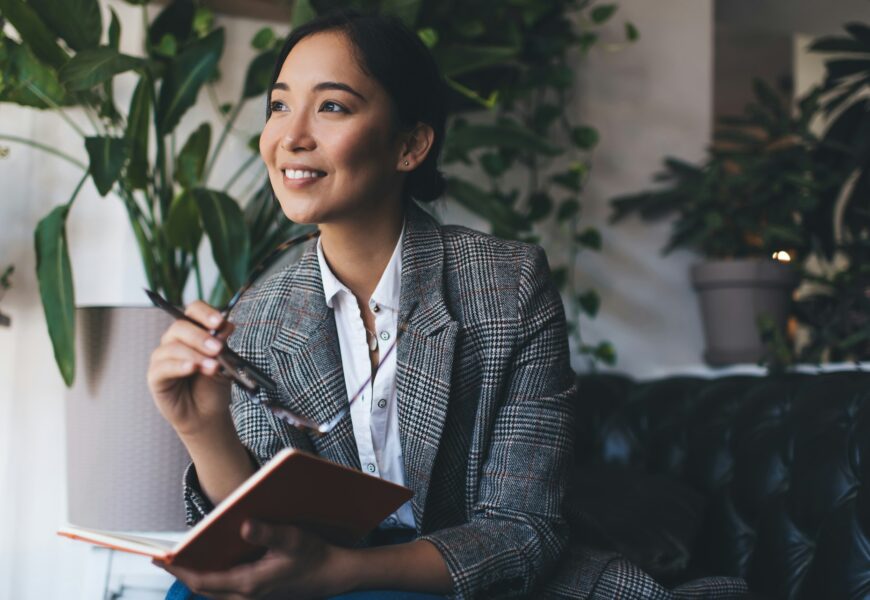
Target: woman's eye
277,106
330,106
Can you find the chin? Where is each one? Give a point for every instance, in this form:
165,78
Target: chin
301,217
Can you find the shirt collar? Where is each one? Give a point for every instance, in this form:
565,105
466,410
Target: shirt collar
386,293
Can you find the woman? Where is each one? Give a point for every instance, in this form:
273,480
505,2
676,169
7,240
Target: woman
472,411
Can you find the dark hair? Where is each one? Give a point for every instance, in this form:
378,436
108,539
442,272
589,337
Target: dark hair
397,59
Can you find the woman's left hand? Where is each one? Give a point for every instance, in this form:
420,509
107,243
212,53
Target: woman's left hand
297,563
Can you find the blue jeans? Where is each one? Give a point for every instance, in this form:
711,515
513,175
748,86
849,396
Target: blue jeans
179,591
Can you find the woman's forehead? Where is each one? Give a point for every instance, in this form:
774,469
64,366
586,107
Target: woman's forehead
325,56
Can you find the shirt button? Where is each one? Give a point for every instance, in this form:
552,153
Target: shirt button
382,403
392,521
370,467
376,308
385,335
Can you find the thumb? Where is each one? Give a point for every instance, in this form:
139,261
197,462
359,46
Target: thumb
277,537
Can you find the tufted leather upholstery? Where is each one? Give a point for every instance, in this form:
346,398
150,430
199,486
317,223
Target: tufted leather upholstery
781,461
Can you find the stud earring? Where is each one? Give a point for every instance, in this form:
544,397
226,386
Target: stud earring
406,163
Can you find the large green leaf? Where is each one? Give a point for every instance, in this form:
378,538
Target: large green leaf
56,288
859,31
302,13
602,13
21,71
107,156
176,20
842,69
189,71
92,67
458,59
114,30
225,227
259,75
33,32
183,228
838,44
502,217
512,136
191,160
78,22
404,10
137,134
584,137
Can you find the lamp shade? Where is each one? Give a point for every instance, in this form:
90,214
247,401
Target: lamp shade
124,462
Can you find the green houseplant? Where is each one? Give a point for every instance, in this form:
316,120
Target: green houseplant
123,461
523,157
836,311
59,63
754,197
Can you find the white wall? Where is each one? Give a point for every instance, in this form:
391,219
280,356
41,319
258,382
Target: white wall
817,17
648,100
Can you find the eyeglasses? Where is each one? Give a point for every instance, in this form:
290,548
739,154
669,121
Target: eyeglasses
245,373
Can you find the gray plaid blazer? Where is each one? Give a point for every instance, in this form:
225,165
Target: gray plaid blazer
484,403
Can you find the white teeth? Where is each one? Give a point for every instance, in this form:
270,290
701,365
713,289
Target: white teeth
297,174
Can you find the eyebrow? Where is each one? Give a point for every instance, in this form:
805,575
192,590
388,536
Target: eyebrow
324,85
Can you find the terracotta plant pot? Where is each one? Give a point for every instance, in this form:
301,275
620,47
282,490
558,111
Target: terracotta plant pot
124,462
733,295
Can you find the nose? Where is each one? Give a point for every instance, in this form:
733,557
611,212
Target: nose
296,135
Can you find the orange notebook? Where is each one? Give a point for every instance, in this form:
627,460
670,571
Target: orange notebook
295,487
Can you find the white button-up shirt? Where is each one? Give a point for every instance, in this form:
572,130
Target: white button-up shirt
374,414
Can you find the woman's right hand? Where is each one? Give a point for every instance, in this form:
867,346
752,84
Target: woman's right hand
184,376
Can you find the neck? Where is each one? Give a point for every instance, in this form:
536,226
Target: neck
359,250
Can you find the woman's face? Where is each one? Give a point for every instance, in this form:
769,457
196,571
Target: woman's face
331,146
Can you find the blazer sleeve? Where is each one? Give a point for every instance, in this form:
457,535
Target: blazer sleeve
262,434
516,532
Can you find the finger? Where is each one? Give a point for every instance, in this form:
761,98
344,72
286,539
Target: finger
177,353
238,582
192,336
198,582
205,314
225,330
280,537
170,370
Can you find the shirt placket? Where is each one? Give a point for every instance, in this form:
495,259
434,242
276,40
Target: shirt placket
360,409
385,329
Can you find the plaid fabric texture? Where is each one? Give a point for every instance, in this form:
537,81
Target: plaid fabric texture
624,580
484,402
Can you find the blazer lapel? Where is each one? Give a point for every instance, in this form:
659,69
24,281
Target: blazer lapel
424,354
306,362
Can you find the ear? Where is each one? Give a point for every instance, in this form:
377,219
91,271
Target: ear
416,147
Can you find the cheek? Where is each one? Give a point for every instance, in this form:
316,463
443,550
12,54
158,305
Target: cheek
366,148
268,140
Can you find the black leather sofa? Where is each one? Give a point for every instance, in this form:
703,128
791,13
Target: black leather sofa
757,477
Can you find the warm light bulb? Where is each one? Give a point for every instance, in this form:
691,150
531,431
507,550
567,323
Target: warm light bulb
782,256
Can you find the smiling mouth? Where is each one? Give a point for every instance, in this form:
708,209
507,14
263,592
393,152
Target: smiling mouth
297,175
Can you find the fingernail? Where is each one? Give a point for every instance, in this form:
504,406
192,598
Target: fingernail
209,363
212,344
215,320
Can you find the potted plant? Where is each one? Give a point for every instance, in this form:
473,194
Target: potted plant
118,447
749,209
59,64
